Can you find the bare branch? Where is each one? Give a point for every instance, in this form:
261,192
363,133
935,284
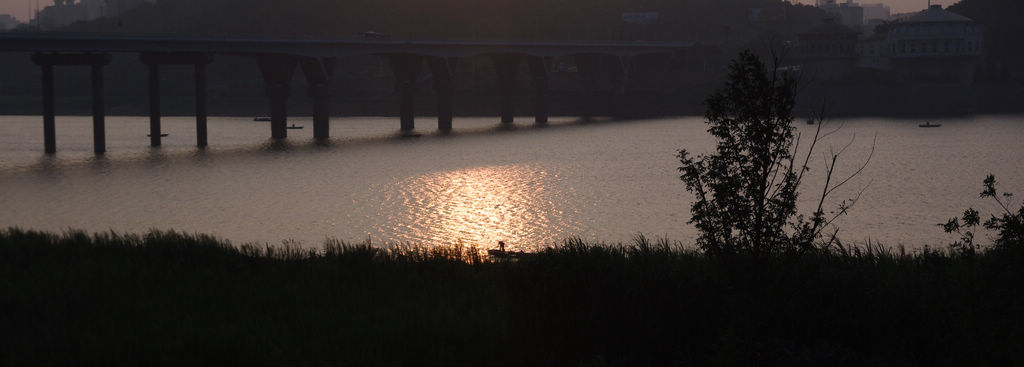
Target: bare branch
818,212
844,208
835,130
814,142
874,142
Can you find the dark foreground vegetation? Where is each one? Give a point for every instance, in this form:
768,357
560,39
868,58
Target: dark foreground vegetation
167,298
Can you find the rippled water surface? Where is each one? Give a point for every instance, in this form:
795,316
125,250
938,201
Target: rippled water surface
529,186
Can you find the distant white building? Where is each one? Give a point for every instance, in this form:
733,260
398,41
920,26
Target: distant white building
933,45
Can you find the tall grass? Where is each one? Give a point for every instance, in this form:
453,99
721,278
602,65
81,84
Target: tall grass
171,298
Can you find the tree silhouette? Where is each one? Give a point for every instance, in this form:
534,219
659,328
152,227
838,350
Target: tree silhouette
746,190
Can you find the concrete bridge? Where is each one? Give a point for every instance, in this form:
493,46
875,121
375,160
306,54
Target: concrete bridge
278,60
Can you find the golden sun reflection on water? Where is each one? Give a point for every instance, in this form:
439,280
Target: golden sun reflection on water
477,206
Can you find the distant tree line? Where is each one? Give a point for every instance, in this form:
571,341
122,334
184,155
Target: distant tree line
1004,32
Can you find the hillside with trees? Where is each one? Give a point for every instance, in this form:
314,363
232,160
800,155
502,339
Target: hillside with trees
1004,33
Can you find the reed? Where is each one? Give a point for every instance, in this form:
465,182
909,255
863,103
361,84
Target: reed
173,298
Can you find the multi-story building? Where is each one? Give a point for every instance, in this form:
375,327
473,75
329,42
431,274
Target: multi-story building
876,11
874,15
848,13
934,45
828,52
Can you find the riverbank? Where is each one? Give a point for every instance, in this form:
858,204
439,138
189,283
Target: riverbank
166,298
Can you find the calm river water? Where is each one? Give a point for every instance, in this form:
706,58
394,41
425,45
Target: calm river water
528,186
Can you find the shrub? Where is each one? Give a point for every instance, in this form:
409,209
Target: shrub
1009,225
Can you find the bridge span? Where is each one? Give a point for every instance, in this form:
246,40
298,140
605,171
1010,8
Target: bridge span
278,60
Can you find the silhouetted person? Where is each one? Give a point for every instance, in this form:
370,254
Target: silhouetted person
501,246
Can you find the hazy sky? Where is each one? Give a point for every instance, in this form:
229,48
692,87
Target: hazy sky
21,8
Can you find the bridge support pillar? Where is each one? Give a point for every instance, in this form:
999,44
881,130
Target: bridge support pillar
619,78
99,130
406,69
277,73
321,110
539,73
278,94
198,61
586,66
507,66
49,128
200,76
442,69
154,105
95,61
318,73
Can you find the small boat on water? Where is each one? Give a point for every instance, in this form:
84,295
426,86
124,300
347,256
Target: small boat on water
293,126
161,135
261,118
501,254
505,255
928,124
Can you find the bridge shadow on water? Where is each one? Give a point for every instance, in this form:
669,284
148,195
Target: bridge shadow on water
296,147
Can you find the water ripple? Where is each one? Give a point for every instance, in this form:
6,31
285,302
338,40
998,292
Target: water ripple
477,206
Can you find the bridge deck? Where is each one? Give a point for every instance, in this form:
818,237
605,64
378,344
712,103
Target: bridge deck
279,58
322,48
